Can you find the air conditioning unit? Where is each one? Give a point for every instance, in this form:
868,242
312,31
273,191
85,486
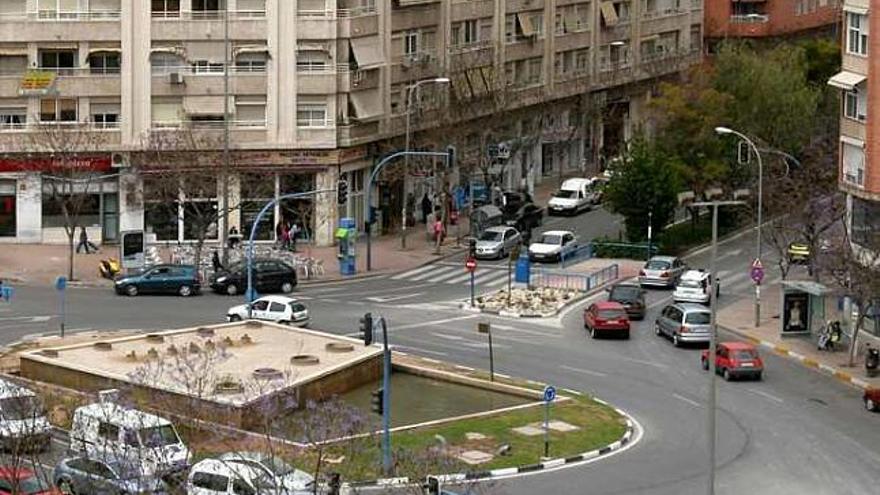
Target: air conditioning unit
175,78
119,160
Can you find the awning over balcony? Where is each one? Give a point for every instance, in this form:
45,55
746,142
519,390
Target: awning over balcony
855,9
367,104
250,49
846,80
203,105
609,15
407,3
366,51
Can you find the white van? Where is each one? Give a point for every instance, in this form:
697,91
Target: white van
22,418
108,430
574,196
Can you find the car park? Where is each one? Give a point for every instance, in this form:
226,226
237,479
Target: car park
871,398
280,309
661,271
82,474
183,280
526,218
684,323
631,297
606,318
268,276
553,246
20,480
574,196
735,360
23,421
496,242
694,286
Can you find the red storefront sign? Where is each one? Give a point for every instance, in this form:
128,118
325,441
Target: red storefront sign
96,163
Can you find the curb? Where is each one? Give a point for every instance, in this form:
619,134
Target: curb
623,441
781,350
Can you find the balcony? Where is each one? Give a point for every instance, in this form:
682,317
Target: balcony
208,15
192,80
356,22
317,80
357,133
243,24
658,21
749,25
70,81
93,25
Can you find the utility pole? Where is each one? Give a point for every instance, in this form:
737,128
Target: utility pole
224,176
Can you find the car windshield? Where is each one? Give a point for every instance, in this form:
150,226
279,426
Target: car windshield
657,265
551,239
744,354
566,194
690,284
29,485
625,293
611,314
491,235
159,436
20,407
698,318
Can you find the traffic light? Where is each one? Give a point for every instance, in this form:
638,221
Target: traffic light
432,485
450,157
472,248
341,192
367,328
376,403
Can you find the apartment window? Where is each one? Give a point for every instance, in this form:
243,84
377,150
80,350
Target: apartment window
104,63
13,64
163,63
855,104
411,42
13,117
312,60
696,38
251,62
57,9
525,72
311,8
166,8
60,61
853,164
250,111
251,8
105,115
857,34
523,26
167,111
311,115
465,32
573,18
208,8
207,67
60,110
865,221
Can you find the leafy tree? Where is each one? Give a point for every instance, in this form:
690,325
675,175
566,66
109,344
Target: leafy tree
647,180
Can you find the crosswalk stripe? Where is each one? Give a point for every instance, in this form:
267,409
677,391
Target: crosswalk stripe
485,277
439,271
455,272
496,282
412,272
459,279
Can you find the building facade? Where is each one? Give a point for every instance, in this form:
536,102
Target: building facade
316,90
766,18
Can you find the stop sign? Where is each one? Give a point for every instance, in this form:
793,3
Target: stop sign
470,264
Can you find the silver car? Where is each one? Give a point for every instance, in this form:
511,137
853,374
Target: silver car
90,475
684,322
662,271
496,242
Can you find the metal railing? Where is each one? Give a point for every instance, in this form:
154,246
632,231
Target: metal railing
206,15
209,125
357,11
582,253
750,19
584,282
62,15
658,13
33,126
215,70
68,72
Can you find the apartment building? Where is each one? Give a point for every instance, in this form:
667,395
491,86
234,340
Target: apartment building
317,88
766,18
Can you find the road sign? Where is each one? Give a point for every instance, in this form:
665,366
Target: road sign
483,327
470,264
549,393
757,271
60,283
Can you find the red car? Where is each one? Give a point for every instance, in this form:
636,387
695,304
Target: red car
872,399
23,481
735,360
608,318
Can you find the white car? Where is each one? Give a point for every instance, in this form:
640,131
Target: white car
574,196
279,309
694,286
237,477
553,246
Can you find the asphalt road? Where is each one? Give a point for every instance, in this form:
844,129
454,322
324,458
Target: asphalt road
795,432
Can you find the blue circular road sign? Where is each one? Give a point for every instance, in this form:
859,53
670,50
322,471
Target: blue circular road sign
549,393
61,283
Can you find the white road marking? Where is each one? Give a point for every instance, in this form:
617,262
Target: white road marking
497,282
646,363
766,395
583,371
429,274
460,278
483,278
29,319
689,401
385,299
413,350
410,273
448,337
444,276
434,322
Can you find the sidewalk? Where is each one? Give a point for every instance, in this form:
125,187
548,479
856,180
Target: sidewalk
739,318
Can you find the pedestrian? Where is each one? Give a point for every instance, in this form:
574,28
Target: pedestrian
234,238
215,262
294,232
84,242
426,208
438,232
285,236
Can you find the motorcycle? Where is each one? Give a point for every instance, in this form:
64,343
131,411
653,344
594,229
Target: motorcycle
829,336
872,360
109,268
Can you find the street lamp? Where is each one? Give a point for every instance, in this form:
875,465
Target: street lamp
724,131
411,90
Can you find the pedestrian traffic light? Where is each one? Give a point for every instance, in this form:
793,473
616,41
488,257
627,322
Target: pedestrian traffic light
376,403
341,192
367,328
472,248
432,485
450,157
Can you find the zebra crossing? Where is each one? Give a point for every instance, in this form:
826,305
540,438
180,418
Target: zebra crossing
438,273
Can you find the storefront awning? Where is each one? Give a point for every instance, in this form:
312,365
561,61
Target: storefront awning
366,51
846,80
203,105
367,104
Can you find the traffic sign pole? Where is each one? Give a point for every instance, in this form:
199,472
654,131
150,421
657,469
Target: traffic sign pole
549,397
61,286
470,264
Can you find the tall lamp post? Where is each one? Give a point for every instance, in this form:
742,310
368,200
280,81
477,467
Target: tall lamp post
410,91
725,131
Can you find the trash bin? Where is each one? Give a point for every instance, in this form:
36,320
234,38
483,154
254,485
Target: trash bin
523,269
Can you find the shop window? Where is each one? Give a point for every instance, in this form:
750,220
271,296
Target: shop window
256,191
87,208
7,208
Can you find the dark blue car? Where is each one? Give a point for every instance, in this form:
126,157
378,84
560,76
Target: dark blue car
183,280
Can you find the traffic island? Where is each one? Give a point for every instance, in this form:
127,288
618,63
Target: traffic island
525,302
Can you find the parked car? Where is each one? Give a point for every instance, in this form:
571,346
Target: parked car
573,196
280,309
735,360
631,297
526,218
872,399
91,475
23,481
23,422
695,286
269,276
511,201
233,474
662,271
496,242
284,477
183,280
553,245
606,318
684,323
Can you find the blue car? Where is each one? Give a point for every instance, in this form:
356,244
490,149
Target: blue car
183,280
87,475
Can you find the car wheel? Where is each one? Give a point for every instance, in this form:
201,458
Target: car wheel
705,363
231,289
131,290
65,486
758,377
234,318
593,333
676,341
287,287
657,330
185,291
725,373
870,404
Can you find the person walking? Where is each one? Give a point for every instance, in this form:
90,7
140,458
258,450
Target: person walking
84,242
215,262
294,232
426,208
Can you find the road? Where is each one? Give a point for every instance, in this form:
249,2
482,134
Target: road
795,432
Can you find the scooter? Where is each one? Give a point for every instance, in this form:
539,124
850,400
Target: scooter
872,360
109,268
829,336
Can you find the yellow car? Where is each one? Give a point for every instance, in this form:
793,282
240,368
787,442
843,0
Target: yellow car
798,252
